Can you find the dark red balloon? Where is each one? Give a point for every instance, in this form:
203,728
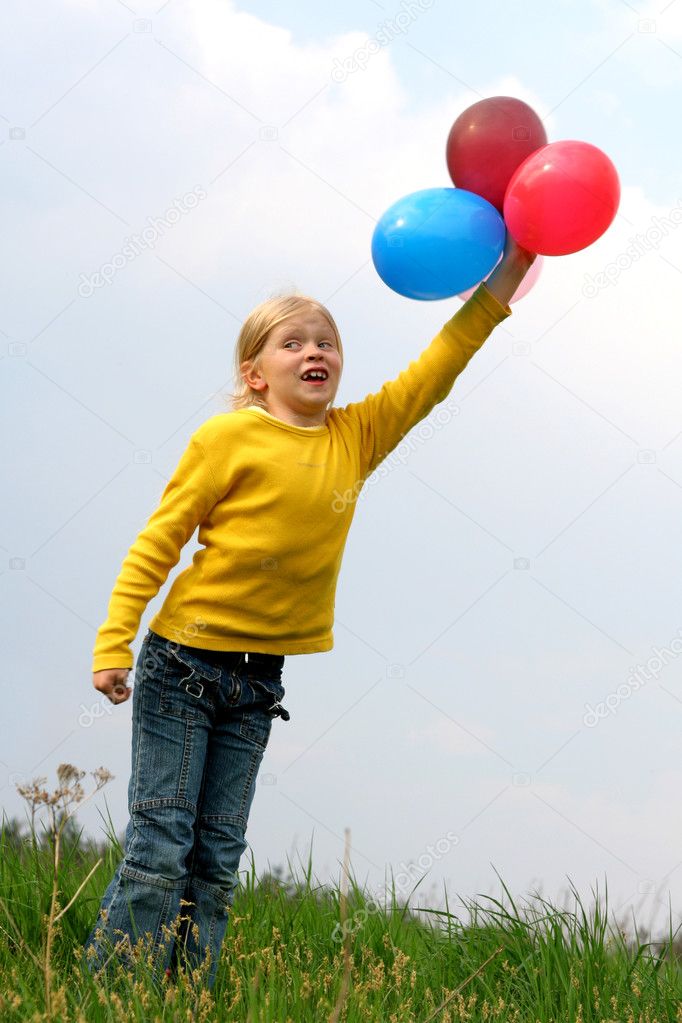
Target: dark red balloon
488,141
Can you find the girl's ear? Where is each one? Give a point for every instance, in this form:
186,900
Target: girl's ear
251,374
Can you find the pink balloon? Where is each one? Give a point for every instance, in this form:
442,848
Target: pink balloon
523,288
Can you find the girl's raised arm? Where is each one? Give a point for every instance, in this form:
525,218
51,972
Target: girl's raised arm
381,420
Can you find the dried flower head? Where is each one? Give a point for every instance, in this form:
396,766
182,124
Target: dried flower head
61,803
102,775
67,775
34,792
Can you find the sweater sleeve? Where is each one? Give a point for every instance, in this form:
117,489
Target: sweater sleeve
385,417
189,496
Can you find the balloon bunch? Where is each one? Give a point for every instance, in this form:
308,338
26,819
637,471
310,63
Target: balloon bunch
554,198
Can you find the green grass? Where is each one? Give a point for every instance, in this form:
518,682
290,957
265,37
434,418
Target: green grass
285,957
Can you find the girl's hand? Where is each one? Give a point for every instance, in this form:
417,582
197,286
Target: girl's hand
513,253
112,682
510,271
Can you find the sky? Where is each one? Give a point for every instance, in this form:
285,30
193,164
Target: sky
504,696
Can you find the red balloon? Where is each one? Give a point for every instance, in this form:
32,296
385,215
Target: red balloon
562,198
487,143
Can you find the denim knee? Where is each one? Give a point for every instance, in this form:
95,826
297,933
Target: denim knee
162,839
217,853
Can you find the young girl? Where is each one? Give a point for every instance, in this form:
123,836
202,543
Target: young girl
262,482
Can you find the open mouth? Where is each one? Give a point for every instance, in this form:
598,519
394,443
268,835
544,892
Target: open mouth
318,377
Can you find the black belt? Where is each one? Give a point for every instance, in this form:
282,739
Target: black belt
230,658
233,659
262,660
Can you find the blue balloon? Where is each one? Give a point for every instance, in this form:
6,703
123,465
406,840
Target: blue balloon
437,242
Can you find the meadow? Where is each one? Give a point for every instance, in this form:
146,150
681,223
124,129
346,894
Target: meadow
298,950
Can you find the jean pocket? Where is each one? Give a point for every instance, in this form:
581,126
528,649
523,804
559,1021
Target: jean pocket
268,694
256,725
189,683
263,706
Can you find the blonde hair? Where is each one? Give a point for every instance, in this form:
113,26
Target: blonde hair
253,337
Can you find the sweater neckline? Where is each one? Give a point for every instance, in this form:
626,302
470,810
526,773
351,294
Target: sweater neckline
267,417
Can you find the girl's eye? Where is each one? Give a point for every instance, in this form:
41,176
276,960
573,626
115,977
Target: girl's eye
296,342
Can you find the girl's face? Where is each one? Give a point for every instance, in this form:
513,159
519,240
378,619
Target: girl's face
294,347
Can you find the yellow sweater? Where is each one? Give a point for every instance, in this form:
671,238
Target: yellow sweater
274,504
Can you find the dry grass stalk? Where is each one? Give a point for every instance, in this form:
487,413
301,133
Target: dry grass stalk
463,984
345,982
61,806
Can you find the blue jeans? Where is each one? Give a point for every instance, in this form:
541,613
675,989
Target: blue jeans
201,723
